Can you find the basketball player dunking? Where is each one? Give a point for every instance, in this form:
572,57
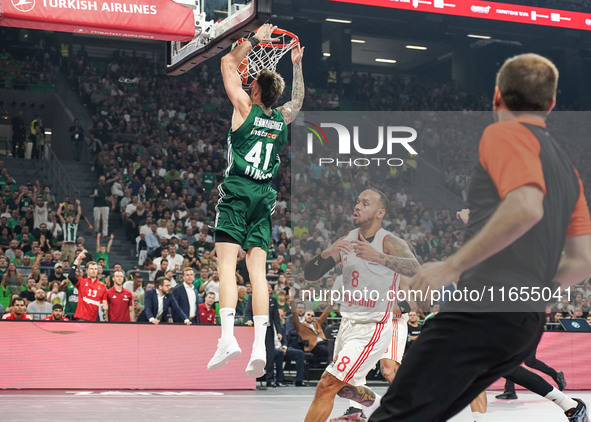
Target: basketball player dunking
372,259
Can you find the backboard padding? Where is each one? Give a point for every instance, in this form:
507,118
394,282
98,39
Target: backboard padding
214,37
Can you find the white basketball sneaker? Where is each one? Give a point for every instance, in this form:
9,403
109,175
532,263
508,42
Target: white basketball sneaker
256,365
227,349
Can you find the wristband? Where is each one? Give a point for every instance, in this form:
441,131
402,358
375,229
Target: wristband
317,267
254,41
404,307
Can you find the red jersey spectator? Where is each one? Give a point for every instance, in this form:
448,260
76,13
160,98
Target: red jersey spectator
18,311
91,291
57,314
119,301
206,310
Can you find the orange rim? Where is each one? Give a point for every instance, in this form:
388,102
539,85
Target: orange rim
278,31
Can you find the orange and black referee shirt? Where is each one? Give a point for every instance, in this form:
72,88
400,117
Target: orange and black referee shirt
514,154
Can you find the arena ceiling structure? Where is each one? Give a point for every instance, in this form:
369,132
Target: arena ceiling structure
413,38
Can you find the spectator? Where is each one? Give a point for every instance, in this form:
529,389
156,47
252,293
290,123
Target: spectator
29,293
240,306
191,255
158,303
90,290
414,329
136,286
55,295
40,210
11,279
163,256
48,197
175,261
311,332
206,309
293,338
207,260
40,308
213,285
288,354
187,298
104,251
153,241
57,313
102,198
202,245
71,302
119,301
76,139
565,306
58,273
18,311
117,192
70,230
42,282
203,277
10,252
163,269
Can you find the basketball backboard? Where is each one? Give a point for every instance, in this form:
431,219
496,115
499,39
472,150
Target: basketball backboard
218,23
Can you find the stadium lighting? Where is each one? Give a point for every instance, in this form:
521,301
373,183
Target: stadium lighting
482,37
326,54
385,60
353,40
334,20
416,47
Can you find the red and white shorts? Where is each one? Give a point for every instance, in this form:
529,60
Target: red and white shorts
399,336
358,348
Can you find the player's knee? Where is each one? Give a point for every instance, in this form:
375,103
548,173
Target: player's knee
389,371
328,385
388,374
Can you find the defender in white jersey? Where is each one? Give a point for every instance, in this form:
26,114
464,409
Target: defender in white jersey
372,260
390,361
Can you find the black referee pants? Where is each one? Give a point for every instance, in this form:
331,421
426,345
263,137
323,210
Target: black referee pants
456,357
533,363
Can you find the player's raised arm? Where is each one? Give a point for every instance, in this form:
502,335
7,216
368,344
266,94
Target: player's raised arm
328,258
291,109
232,82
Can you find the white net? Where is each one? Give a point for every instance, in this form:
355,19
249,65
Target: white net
264,56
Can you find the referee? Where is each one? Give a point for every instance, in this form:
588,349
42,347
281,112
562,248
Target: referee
529,228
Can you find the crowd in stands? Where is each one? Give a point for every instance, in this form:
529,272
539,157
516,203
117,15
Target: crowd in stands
32,65
157,147
20,74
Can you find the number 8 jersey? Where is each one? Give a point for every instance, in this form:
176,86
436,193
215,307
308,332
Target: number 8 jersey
253,148
369,289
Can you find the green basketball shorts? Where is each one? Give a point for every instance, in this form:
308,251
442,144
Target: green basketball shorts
244,211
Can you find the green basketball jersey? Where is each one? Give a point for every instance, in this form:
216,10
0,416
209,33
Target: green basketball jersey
71,299
253,148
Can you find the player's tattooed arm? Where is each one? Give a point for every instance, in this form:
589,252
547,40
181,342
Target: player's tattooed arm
291,109
361,394
399,257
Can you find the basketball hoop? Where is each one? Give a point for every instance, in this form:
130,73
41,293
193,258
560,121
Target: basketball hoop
265,55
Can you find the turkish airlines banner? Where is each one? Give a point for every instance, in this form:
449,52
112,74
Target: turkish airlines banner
146,19
489,10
